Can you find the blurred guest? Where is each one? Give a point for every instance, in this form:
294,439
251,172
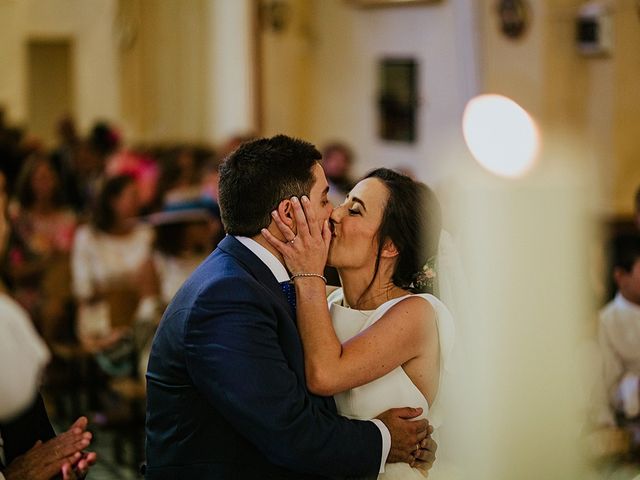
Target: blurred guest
104,140
89,175
209,176
4,222
182,173
619,332
210,180
106,256
186,233
336,162
636,212
142,167
12,154
20,346
22,356
24,424
90,163
68,139
30,449
233,142
117,160
179,177
65,160
42,234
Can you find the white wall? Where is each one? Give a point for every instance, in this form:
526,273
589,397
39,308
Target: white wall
285,68
89,24
319,77
344,44
230,75
515,68
162,69
188,74
50,86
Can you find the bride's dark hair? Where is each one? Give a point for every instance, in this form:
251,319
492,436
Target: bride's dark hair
412,220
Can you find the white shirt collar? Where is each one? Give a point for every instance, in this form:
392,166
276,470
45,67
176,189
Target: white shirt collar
268,258
623,302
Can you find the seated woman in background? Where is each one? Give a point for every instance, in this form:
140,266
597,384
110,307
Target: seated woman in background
23,418
186,232
20,346
42,231
182,173
106,258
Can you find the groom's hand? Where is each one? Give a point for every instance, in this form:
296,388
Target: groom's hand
406,434
425,456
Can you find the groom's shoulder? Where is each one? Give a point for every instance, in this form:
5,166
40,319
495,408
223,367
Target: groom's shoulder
218,282
221,276
221,267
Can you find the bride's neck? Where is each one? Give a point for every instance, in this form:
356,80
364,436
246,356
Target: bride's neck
363,294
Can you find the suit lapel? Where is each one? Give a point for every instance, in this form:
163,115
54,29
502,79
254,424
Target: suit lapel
264,276
257,268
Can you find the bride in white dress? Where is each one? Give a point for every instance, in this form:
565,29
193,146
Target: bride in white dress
385,340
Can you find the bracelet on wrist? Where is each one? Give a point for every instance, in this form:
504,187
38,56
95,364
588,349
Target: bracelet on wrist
302,275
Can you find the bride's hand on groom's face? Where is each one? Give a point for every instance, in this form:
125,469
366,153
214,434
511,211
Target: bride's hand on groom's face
408,437
306,251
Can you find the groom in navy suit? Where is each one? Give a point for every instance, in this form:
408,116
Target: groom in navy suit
227,397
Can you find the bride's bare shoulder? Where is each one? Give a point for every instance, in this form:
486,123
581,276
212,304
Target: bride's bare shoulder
413,307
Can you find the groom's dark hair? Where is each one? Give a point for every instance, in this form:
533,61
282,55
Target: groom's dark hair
257,176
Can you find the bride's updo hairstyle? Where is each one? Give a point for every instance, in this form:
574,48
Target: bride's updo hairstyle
412,220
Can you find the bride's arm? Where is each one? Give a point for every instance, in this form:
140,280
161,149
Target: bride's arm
403,333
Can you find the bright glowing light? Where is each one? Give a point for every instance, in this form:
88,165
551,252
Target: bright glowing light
500,134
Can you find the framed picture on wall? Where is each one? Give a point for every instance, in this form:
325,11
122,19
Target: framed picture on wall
397,99
389,3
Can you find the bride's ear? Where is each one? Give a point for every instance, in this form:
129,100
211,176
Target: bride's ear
389,249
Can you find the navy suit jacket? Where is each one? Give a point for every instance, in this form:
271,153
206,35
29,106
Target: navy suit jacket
226,390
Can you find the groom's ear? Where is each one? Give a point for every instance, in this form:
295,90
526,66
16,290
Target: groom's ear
285,211
389,249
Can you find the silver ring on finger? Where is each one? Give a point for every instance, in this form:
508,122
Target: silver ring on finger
292,240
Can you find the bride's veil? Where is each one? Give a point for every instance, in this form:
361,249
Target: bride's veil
451,289
452,282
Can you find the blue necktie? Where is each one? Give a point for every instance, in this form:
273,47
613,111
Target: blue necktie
289,290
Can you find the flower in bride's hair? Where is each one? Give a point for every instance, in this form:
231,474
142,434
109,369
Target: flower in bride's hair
425,278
